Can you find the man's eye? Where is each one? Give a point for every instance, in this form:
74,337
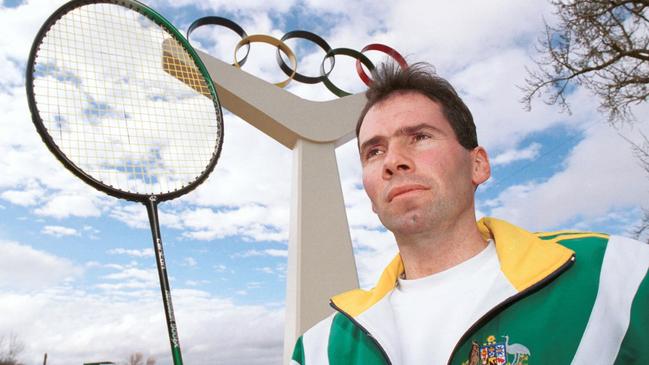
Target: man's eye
372,152
420,137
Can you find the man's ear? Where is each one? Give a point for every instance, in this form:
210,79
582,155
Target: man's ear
480,167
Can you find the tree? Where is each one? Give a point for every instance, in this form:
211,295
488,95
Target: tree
641,232
137,358
10,348
600,44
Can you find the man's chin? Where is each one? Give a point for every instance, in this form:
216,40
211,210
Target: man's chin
410,222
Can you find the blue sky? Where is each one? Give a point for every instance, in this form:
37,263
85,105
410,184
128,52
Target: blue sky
77,273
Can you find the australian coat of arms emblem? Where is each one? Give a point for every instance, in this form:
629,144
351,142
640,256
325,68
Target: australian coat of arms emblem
496,351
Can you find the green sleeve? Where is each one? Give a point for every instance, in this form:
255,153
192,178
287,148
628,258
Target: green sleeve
634,349
298,352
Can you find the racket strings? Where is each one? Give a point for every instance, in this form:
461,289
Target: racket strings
108,91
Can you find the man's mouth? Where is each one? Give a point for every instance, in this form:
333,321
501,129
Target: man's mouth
403,189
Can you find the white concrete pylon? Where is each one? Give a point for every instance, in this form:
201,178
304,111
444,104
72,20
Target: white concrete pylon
320,257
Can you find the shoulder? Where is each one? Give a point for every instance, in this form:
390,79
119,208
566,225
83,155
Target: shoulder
618,316
576,239
321,330
334,328
313,343
337,337
612,255
609,247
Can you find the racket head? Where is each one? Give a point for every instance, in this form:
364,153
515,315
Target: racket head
104,91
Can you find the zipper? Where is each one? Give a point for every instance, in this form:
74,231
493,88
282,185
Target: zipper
365,331
509,301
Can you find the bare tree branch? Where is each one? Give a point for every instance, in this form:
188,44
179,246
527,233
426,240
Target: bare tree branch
10,349
641,151
137,358
602,45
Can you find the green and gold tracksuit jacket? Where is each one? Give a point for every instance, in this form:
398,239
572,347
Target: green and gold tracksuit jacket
582,298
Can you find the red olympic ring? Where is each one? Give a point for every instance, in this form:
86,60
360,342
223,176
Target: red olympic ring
381,48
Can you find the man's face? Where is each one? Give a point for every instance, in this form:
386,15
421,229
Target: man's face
415,171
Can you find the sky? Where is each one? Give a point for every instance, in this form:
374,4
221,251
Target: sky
77,272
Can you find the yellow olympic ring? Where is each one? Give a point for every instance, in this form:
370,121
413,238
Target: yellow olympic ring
263,38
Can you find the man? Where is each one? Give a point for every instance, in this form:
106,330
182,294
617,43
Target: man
462,292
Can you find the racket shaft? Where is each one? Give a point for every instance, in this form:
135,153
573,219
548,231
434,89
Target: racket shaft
152,210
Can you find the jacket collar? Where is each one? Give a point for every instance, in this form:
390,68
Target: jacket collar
525,259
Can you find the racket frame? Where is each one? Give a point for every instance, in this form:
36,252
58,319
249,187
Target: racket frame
51,144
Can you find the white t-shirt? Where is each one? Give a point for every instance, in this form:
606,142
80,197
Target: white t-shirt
433,312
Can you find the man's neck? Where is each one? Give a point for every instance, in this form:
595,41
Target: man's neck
428,253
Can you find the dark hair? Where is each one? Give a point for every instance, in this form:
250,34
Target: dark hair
389,78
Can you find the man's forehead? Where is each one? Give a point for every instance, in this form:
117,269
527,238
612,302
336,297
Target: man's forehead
401,112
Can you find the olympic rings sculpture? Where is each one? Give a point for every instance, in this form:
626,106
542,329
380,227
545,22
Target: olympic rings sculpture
291,71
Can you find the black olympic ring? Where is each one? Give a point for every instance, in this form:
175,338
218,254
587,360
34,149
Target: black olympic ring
217,20
347,52
291,72
310,37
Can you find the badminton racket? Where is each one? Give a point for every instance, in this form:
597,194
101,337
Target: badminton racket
119,96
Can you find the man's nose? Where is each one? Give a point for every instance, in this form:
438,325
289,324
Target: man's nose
396,161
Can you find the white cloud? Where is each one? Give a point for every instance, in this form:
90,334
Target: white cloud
26,162
373,250
97,327
91,232
239,6
452,34
371,263
220,268
30,195
63,206
252,193
267,252
21,22
266,270
92,264
135,215
59,231
23,267
28,168
278,270
489,88
250,222
129,280
189,262
133,273
528,153
600,175
145,252
245,174
196,282
276,253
